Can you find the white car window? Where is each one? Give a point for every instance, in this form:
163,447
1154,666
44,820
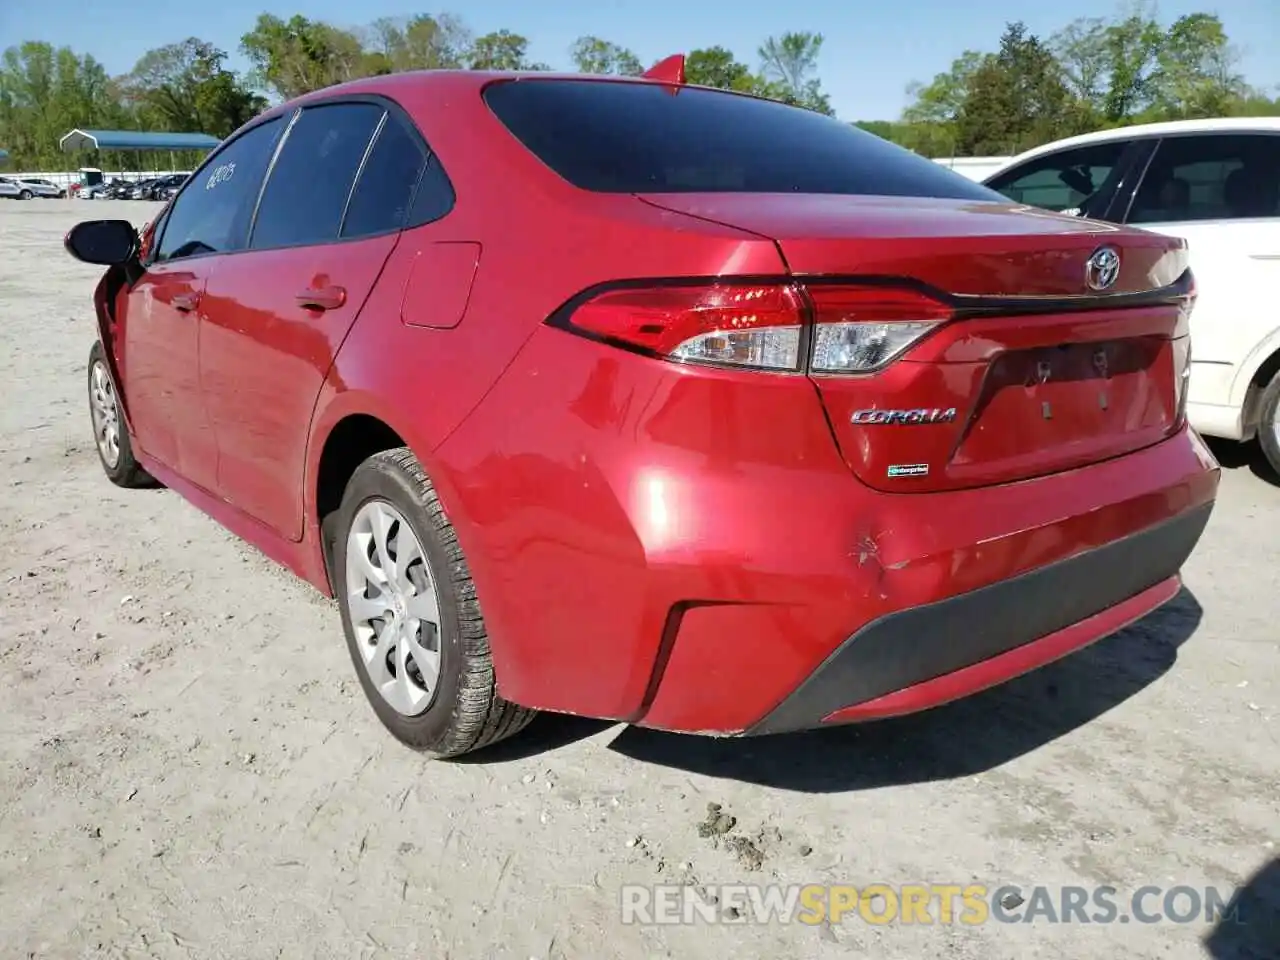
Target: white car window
1062,180
1210,177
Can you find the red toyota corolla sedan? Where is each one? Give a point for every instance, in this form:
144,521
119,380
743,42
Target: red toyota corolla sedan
650,402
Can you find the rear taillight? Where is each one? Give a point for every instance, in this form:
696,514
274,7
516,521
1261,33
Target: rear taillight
785,327
739,324
860,329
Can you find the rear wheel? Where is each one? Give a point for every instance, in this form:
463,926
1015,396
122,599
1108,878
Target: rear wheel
1269,424
115,452
25,195
410,613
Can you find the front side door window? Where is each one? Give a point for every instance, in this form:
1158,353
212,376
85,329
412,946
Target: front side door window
212,213
1069,180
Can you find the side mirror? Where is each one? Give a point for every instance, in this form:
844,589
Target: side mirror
108,243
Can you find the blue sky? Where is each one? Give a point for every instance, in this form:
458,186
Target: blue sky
872,50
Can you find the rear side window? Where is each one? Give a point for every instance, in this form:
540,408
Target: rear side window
307,191
1210,177
212,214
380,201
1061,181
435,195
618,137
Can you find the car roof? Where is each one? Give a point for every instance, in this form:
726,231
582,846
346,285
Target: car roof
1140,131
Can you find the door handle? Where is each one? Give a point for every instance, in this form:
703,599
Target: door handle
185,302
322,298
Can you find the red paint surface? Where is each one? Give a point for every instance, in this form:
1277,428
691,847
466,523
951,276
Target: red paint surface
604,497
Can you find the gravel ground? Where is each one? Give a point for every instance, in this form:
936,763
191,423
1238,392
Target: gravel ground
187,766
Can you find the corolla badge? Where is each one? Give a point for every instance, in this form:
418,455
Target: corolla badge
1102,269
880,417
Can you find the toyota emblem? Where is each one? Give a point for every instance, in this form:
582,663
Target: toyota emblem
1102,269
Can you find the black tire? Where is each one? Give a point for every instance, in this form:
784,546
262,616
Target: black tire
1269,424
465,711
25,195
125,471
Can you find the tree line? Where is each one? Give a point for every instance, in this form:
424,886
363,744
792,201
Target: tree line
1091,74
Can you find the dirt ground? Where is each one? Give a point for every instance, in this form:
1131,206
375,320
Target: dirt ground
188,768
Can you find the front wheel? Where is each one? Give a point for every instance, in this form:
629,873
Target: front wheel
115,452
410,613
1269,424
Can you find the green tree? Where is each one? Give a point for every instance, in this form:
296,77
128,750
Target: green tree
1082,52
421,42
789,66
296,56
717,67
1195,72
1016,98
1133,69
501,50
593,55
44,93
1132,47
184,87
941,99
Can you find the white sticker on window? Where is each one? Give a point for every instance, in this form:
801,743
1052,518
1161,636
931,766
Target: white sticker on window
221,175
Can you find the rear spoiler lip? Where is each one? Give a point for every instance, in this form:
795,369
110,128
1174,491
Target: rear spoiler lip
983,305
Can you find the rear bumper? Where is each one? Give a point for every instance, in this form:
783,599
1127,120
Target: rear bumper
924,656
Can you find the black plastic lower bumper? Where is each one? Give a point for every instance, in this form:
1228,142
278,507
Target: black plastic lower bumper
911,646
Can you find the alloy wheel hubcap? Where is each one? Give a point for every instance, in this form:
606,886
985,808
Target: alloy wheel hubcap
394,609
106,416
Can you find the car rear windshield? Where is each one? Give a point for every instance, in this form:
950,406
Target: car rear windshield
620,137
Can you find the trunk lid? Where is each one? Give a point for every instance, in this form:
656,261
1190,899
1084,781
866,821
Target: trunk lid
1035,372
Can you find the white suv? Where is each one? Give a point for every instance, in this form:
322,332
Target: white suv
1216,183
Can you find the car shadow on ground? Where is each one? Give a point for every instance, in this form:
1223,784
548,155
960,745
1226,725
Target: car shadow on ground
1242,456
960,739
1249,928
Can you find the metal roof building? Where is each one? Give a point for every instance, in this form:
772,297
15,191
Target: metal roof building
135,140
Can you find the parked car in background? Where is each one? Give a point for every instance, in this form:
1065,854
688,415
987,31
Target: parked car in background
581,396
1215,183
119,189
165,188
41,188
156,188
142,189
